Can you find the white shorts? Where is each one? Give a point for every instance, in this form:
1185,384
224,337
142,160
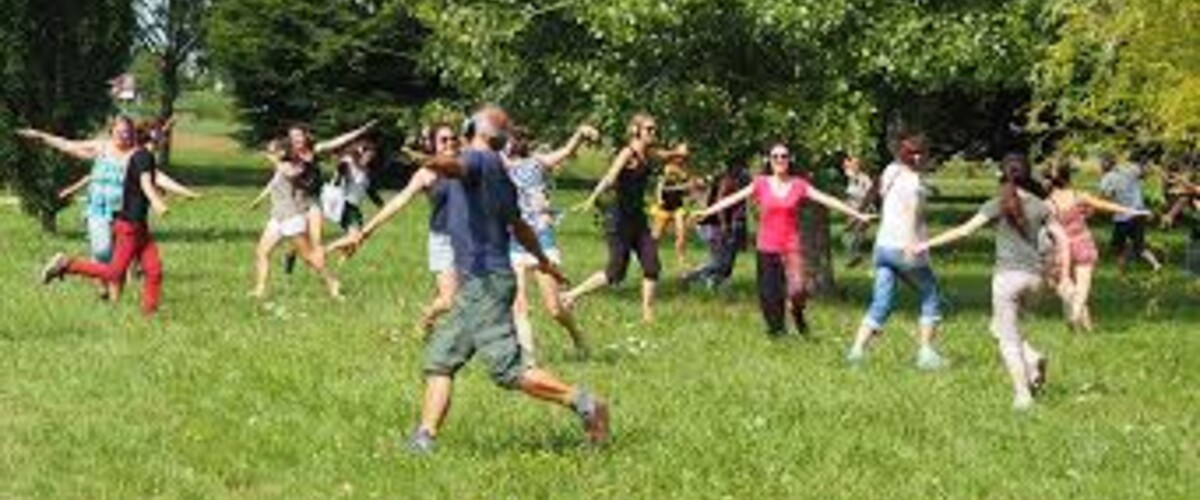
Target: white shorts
521,258
295,225
441,253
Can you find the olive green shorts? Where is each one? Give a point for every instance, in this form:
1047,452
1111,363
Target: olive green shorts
481,323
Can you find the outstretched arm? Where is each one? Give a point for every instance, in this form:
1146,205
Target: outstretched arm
724,203
83,150
419,182
951,235
1108,206
170,185
342,140
676,153
555,159
607,181
836,204
75,187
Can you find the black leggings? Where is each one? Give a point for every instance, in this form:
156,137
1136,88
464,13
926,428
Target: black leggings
776,289
623,241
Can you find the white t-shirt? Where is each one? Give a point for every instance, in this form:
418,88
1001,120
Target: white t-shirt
902,222
356,187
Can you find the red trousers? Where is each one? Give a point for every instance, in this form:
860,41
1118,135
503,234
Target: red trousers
130,240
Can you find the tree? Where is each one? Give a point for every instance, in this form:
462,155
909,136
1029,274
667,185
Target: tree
1119,73
172,31
328,64
56,57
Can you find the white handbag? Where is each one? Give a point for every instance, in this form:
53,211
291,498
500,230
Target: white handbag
333,202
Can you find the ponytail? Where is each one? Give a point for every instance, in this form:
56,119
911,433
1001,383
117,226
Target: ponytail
1016,177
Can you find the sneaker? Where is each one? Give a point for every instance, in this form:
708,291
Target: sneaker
289,262
55,268
594,414
856,358
1038,381
421,443
1023,402
928,359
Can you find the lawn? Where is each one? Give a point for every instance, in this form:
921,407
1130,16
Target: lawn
300,397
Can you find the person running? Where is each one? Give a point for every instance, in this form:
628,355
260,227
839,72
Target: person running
674,186
529,174
1072,208
352,180
104,183
860,190
291,202
780,195
902,223
133,240
626,226
724,231
440,142
1020,217
1123,185
482,321
304,152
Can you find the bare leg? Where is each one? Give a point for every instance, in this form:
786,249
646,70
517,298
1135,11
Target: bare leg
262,262
1149,256
1080,315
680,238
648,287
543,385
521,313
593,283
315,257
554,305
438,389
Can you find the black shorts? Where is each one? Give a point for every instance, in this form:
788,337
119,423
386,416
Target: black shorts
352,217
624,238
1129,236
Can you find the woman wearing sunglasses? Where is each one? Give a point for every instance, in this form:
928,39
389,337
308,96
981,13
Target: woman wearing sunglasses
626,223
780,195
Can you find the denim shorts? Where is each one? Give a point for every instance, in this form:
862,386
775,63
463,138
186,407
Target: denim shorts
441,253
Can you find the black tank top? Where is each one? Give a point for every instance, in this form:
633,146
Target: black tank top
630,206
310,179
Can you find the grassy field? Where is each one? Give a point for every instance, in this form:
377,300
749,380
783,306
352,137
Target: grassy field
299,397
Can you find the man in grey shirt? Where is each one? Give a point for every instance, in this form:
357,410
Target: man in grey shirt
1123,184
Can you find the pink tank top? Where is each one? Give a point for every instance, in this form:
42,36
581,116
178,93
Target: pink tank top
777,229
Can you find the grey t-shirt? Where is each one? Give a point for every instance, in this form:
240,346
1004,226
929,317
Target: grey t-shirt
1017,251
287,199
1124,186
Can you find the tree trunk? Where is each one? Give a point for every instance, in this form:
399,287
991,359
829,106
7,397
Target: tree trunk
166,106
818,250
49,220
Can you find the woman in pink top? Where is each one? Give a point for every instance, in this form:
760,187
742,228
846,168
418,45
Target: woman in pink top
1072,208
779,195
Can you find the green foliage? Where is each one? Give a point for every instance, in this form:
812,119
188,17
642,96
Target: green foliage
1120,73
56,57
326,63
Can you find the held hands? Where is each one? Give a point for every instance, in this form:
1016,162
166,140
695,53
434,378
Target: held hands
865,218
915,250
588,133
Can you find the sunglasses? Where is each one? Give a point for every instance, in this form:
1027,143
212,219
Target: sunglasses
445,139
781,156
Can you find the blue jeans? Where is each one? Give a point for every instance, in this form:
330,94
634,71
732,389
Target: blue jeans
891,266
100,237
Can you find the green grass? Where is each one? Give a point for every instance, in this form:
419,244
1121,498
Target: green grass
220,396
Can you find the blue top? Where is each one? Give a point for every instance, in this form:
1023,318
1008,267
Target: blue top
106,187
529,177
479,220
1124,186
439,200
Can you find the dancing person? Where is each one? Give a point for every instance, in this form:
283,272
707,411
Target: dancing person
725,231
860,190
1186,204
304,152
440,142
627,229
780,195
671,193
1123,185
902,224
104,182
1071,208
1020,217
133,239
352,179
291,202
482,321
529,172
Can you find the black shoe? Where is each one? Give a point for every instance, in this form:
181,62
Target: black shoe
289,262
55,268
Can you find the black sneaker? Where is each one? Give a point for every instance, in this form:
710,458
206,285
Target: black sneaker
289,262
1038,384
55,268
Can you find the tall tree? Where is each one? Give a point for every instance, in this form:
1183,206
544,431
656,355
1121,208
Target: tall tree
325,63
172,31
56,57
